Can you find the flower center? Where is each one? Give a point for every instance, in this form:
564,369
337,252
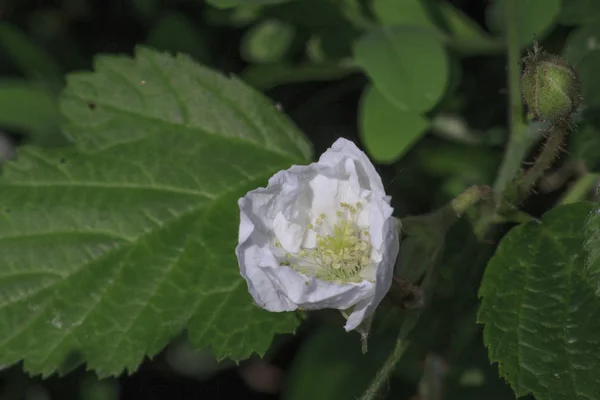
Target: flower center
341,252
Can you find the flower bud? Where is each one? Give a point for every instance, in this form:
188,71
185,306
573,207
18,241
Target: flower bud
550,87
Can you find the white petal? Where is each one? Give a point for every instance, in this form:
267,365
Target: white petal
384,272
324,195
246,225
254,261
289,234
312,294
367,175
358,315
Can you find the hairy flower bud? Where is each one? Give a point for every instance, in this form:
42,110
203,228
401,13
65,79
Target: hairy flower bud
550,87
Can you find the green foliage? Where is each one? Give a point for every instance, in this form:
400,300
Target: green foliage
111,248
331,365
236,3
26,106
267,42
540,308
408,12
534,18
331,25
409,66
579,12
29,57
467,35
378,115
584,147
473,378
588,69
120,243
582,42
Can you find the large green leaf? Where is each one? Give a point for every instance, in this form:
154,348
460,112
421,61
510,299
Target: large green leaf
540,310
408,65
112,248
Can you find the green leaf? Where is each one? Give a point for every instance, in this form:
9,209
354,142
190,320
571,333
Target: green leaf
409,66
29,108
540,310
386,131
407,12
267,42
111,248
535,18
579,12
592,246
32,60
582,42
235,3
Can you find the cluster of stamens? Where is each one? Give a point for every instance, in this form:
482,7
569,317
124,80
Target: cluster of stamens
339,255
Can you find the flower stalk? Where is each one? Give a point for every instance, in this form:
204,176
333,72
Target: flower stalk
552,147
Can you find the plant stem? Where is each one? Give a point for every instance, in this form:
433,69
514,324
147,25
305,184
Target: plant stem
518,142
552,147
386,370
581,188
268,76
469,198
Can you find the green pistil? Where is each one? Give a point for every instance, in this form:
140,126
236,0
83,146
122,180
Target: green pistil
340,256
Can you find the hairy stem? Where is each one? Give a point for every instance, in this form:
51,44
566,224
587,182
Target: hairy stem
385,371
552,148
469,198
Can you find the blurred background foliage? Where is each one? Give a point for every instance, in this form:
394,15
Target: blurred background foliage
338,68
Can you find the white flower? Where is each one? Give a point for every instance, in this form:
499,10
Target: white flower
320,236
